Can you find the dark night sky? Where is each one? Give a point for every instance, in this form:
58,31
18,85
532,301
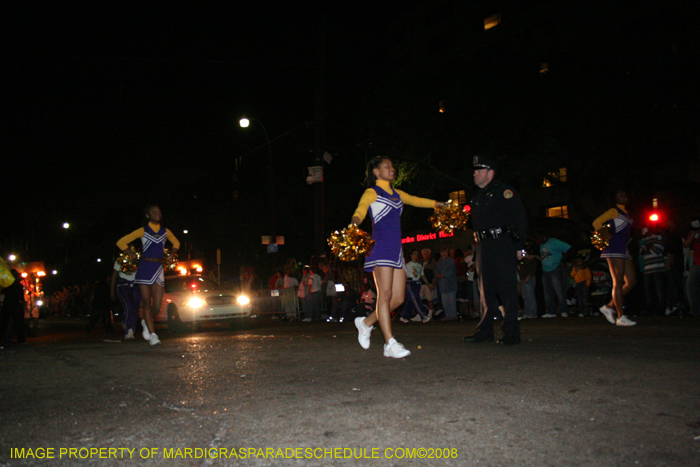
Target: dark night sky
109,108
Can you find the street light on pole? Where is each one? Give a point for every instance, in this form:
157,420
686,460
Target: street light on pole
66,226
244,122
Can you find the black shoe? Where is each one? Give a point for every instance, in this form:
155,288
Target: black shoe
508,341
477,338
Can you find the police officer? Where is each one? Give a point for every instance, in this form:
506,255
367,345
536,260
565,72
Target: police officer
499,222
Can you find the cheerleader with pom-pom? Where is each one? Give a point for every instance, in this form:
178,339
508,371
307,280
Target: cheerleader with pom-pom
150,276
385,261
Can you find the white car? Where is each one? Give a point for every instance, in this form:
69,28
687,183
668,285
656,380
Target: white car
196,299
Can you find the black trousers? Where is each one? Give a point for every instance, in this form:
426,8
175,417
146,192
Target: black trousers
16,315
497,266
103,313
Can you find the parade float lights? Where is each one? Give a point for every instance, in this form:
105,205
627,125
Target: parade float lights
186,268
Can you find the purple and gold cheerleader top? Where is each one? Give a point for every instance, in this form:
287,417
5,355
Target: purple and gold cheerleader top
386,231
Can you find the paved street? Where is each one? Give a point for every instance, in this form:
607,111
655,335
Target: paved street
577,392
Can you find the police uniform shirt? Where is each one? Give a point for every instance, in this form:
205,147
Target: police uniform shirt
499,205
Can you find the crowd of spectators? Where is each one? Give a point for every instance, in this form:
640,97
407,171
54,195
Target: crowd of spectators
553,278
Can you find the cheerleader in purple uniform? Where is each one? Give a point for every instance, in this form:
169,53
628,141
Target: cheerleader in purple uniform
619,260
149,275
385,205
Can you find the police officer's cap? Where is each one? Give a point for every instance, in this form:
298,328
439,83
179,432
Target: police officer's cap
481,162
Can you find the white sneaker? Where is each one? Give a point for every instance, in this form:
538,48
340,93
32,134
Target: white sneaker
565,315
625,321
549,315
395,350
426,319
129,335
417,318
146,334
403,320
154,339
364,332
609,313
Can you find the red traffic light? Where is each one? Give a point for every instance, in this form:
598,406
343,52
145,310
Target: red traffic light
467,208
654,217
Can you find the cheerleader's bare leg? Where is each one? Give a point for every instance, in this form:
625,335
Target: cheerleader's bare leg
391,288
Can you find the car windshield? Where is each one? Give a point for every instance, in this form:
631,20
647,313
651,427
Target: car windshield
190,284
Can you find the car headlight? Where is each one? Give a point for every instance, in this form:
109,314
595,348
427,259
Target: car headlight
195,302
243,300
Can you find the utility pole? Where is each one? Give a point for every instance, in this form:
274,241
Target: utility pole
319,143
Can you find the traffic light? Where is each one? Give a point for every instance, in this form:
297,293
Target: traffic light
654,217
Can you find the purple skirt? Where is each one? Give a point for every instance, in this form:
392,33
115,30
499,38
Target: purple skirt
387,251
149,273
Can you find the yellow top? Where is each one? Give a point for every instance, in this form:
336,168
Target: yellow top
123,242
582,275
606,216
370,196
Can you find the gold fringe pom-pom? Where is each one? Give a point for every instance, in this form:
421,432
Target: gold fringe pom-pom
449,217
600,239
128,264
350,243
169,264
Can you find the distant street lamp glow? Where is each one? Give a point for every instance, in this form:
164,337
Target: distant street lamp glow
99,260
244,122
185,232
12,257
66,225
54,272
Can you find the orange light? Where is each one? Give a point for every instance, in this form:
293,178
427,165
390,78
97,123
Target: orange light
24,274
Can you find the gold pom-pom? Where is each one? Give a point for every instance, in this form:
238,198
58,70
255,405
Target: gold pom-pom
449,217
128,264
169,264
600,238
350,243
